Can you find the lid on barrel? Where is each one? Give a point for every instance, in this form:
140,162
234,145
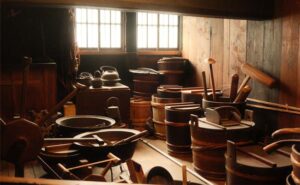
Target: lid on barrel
255,156
169,91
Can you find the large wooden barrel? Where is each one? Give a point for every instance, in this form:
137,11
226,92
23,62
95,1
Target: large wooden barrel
209,145
145,81
178,129
140,111
172,70
158,110
250,164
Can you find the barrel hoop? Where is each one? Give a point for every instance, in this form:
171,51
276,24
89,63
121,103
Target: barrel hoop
171,72
178,146
158,122
251,177
215,146
146,81
173,124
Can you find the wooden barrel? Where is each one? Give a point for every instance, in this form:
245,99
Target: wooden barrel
158,110
140,111
172,70
172,77
209,145
223,101
177,124
145,86
169,91
145,81
250,164
295,159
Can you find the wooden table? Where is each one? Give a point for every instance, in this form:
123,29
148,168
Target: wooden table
92,101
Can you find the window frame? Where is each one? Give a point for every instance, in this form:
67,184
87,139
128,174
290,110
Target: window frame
157,49
99,50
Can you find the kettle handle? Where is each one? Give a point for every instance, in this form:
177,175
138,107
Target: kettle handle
106,68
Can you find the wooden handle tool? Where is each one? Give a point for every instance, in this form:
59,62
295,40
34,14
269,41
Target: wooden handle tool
77,87
211,61
244,82
204,84
234,87
258,75
131,138
277,144
286,131
243,94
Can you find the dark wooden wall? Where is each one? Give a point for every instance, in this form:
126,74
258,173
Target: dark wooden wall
270,45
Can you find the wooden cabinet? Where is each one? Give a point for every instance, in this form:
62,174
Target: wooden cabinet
41,89
93,100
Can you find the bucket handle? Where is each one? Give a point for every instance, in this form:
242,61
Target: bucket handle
106,68
194,120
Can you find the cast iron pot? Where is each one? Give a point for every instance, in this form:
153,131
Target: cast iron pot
72,125
99,152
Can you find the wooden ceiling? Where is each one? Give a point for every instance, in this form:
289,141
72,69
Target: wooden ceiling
246,9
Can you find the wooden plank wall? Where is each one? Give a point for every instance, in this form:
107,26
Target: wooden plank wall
270,45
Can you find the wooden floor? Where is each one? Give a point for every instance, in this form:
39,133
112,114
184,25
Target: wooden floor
145,155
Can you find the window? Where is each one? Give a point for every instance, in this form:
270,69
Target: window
98,28
157,31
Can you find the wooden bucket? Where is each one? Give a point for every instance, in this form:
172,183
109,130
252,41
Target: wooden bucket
209,145
177,124
140,111
145,81
172,70
172,77
158,110
145,87
250,164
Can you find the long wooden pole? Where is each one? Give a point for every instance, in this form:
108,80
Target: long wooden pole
287,107
274,109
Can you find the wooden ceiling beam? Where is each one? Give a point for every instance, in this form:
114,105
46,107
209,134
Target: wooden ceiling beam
250,9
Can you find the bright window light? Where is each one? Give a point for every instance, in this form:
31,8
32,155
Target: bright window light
157,31
98,28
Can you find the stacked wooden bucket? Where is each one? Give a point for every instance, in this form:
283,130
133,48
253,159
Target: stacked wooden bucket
158,109
178,129
172,70
140,112
145,81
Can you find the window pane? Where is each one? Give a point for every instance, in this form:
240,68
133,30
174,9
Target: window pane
173,20
80,15
92,16
163,36
105,36
104,16
92,36
116,36
173,37
152,37
116,17
142,36
152,19
163,19
81,35
142,18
